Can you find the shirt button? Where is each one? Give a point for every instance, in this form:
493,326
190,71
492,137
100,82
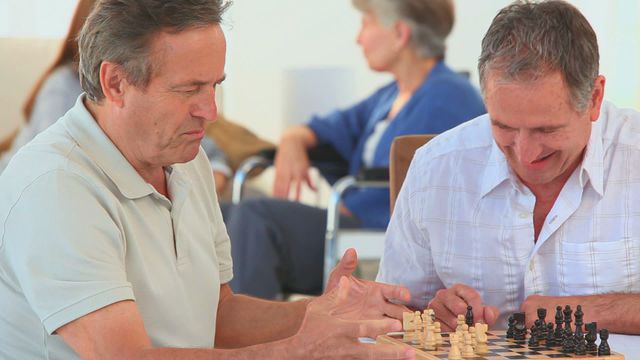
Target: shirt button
531,266
523,215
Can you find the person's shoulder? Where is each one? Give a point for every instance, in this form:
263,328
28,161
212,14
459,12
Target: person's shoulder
620,126
471,137
63,78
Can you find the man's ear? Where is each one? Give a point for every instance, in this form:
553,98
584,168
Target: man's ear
113,82
597,97
403,34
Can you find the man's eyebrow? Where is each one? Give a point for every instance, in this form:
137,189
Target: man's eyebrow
198,82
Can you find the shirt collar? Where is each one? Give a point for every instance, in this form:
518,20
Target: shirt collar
591,169
496,171
96,144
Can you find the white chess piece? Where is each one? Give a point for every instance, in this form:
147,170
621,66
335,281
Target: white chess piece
467,349
454,352
481,339
438,332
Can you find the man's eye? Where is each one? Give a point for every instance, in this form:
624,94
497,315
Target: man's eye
190,91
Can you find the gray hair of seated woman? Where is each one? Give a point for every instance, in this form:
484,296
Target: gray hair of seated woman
430,21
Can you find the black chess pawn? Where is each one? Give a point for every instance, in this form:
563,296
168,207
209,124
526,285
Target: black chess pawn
551,341
568,342
579,343
558,334
567,322
603,348
512,323
468,317
542,314
591,337
533,340
520,327
579,316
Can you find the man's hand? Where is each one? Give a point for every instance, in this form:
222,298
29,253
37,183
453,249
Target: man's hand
449,303
328,331
367,299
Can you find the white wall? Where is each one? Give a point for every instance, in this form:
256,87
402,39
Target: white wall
268,38
273,44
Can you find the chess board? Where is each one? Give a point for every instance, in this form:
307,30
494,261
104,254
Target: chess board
500,348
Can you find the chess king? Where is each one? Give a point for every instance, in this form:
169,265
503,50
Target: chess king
535,203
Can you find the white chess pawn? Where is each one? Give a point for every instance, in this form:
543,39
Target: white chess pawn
467,349
429,338
438,332
481,339
460,321
472,331
454,352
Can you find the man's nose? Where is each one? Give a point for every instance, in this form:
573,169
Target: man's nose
206,106
526,147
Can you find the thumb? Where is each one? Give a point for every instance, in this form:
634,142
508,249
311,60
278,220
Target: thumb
349,261
345,267
343,290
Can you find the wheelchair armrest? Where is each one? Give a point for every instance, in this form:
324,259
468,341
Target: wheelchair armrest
242,173
373,174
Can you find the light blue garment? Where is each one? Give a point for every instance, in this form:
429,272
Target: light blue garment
444,100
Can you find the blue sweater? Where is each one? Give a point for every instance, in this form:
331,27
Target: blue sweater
444,100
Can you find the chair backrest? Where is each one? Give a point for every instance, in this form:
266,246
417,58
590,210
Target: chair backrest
402,150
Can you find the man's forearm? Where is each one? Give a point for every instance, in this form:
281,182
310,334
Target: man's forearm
282,349
244,321
619,313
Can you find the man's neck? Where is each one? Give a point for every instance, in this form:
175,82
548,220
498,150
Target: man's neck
152,174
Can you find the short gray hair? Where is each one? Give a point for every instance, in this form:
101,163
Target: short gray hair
527,40
430,21
120,31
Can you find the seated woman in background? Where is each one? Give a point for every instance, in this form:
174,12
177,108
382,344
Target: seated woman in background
278,244
57,90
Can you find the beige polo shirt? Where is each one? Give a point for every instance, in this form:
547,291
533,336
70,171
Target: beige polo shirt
82,230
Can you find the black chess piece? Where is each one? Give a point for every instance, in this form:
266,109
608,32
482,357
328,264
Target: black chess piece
579,316
567,321
578,337
512,323
520,327
468,317
603,348
542,314
551,341
558,334
533,340
591,337
579,343
568,343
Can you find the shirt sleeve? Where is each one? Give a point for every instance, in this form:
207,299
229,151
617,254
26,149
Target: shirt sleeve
407,259
344,128
77,226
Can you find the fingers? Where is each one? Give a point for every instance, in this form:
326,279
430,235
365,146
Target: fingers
451,302
394,292
346,266
491,314
394,311
372,328
385,351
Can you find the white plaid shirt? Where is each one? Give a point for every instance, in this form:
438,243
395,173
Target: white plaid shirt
463,217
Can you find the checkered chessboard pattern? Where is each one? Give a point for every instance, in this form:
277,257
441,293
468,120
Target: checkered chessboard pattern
500,348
